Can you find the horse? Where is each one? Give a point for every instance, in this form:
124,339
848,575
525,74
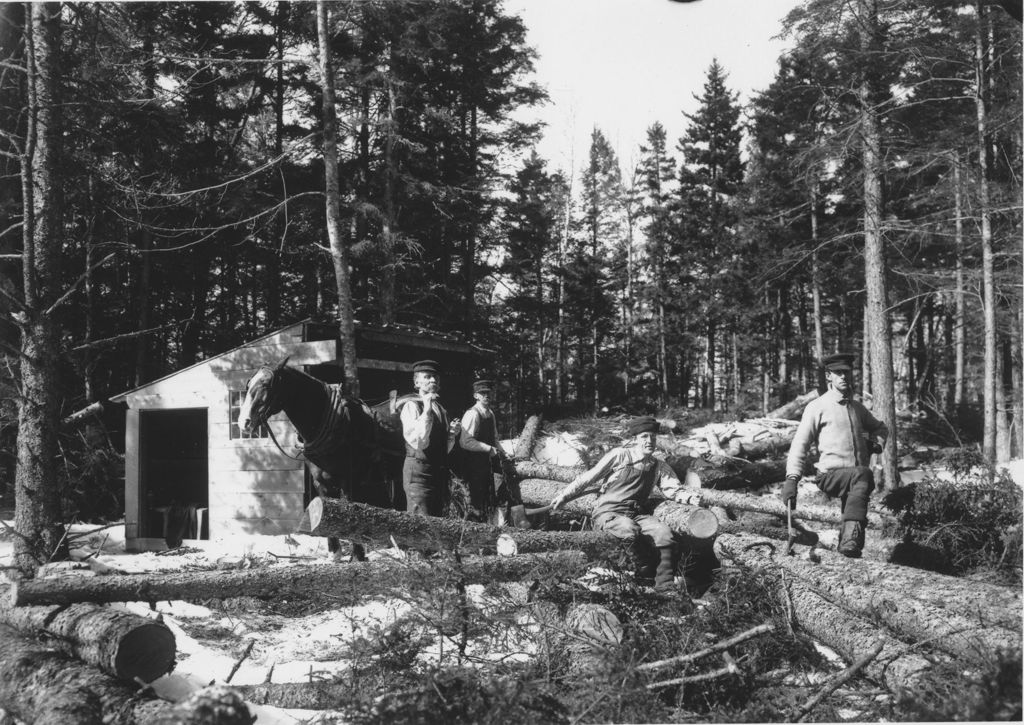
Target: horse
353,451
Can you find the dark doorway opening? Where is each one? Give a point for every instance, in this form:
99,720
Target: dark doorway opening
175,484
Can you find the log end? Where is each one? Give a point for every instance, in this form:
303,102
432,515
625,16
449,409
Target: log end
702,524
146,653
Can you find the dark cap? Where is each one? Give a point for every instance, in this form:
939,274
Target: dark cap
643,424
426,366
840,362
483,386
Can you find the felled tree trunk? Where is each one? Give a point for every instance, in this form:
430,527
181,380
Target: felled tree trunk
358,522
772,444
547,471
120,643
772,505
528,438
941,627
898,667
794,408
691,522
43,686
723,472
346,582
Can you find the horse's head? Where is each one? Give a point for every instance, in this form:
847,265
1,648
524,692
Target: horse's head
262,399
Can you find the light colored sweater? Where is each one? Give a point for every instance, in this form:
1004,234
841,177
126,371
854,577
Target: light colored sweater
842,429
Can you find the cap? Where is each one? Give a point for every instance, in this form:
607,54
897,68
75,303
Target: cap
426,366
643,424
839,362
483,386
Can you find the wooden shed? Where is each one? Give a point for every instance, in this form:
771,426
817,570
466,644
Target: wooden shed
185,456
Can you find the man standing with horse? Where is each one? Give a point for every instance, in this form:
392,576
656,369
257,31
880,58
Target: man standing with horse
425,429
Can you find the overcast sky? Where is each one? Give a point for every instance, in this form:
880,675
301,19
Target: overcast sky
623,64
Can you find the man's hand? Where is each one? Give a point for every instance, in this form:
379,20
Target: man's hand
557,502
874,446
788,493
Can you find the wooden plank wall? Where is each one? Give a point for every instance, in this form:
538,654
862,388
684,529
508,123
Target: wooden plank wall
253,487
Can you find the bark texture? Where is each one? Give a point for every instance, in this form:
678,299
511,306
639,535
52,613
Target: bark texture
724,472
118,642
362,523
772,505
548,471
302,695
943,628
794,409
528,438
898,668
347,582
40,685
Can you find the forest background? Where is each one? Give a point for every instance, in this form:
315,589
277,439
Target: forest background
163,200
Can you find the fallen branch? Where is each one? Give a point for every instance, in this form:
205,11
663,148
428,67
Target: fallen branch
730,668
837,681
717,647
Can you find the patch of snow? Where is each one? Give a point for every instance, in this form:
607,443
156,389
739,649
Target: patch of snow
561,449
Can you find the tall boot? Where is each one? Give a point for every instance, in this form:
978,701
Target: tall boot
664,576
641,554
851,539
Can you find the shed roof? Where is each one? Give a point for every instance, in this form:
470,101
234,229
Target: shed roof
412,333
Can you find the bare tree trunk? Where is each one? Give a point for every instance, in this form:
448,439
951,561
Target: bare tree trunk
985,212
819,335
339,252
960,338
37,505
875,268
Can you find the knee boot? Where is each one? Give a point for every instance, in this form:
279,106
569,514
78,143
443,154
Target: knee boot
642,559
664,576
851,538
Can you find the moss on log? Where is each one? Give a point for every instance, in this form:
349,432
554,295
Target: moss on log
346,582
118,642
914,619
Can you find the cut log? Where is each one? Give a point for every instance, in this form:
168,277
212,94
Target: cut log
794,409
691,522
724,473
213,705
898,609
299,695
41,685
772,505
524,443
772,444
118,642
345,582
362,523
899,668
548,471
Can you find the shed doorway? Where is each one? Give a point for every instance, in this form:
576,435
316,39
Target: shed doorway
174,475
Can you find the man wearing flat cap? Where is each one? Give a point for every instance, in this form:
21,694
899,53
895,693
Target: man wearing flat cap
479,443
846,435
425,429
628,474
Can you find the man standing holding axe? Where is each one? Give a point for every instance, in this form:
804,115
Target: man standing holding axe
846,435
627,476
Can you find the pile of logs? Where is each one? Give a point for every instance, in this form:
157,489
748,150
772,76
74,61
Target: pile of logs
68,654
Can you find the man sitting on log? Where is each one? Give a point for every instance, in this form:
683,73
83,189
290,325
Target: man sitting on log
628,475
425,428
479,443
846,435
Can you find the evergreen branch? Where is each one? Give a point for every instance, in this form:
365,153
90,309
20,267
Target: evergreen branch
85,275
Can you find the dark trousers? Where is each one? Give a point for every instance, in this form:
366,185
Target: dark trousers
852,486
424,486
